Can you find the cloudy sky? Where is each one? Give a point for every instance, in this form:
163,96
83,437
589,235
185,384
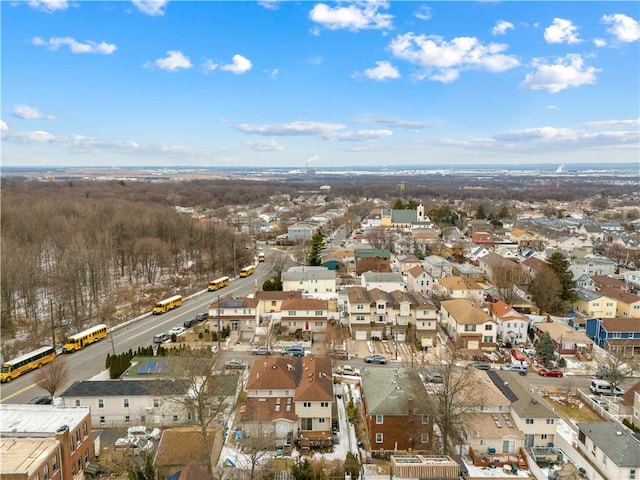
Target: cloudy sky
303,83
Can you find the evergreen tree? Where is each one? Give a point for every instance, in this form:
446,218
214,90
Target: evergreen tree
480,213
304,471
545,349
560,266
317,244
352,466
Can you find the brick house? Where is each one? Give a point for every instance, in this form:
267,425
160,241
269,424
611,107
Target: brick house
48,441
374,260
566,340
396,410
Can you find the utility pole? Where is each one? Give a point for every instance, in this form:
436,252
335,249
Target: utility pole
219,321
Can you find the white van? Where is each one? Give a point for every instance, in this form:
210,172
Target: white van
603,387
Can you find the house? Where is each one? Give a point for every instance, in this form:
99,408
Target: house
305,315
629,404
611,448
372,259
492,263
460,287
239,314
533,265
384,281
180,453
271,301
468,325
585,281
513,326
438,266
627,304
116,403
403,219
315,280
290,398
531,413
404,262
301,232
605,281
594,304
418,280
592,265
45,441
566,340
469,271
619,336
376,314
397,412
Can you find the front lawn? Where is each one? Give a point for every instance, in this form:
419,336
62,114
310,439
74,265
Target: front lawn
575,409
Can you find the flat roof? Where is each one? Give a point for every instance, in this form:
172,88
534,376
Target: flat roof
18,420
25,455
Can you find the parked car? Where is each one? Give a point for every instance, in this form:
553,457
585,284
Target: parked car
177,330
339,354
603,387
348,370
600,403
138,445
201,317
479,365
263,350
41,401
294,351
434,377
161,338
550,372
515,367
188,323
235,364
146,433
375,359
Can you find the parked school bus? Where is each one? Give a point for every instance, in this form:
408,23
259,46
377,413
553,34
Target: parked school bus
167,304
218,283
84,338
25,363
246,271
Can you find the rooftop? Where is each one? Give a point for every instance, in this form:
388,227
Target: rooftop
19,420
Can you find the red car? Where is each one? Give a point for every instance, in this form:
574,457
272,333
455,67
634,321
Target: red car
552,372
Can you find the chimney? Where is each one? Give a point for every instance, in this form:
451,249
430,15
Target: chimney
410,403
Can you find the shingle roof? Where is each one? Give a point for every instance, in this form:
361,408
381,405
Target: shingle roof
526,404
459,283
304,304
465,312
381,277
617,442
131,388
393,299
619,295
621,324
278,295
372,252
387,391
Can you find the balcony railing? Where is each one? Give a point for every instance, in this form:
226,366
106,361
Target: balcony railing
485,459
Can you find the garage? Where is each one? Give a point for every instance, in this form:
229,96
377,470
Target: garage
361,335
376,334
473,344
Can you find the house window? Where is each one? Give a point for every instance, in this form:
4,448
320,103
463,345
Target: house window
632,474
604,460
359,318
379,438
360,306
483,442
292,313
469,328
85,430
306,404
488,327
127,419
543,436
324,404
143,419
425,419
72,445
306,423
77,403
318,313
78,437
73,469
125,402
100,403
424,438
102,421
175,418
46,472
379,419
86,456
550,421
529,421
156,402
270,392
529,440
487,339
54,463
319,324
321,420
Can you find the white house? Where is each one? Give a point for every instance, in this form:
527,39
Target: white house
314,280
611,448
388,282
513,326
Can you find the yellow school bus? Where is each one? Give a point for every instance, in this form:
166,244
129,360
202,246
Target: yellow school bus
218,283
84,338
167,304
25,363
246,271
261,257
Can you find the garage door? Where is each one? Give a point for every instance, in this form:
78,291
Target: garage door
361,335
473,344
377,334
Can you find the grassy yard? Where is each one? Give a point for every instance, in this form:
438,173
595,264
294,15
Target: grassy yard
575,412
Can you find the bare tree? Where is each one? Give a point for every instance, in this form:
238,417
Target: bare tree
612,368
53,376
505,278
459,393
256,449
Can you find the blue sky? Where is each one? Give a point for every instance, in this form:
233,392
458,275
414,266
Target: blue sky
295,84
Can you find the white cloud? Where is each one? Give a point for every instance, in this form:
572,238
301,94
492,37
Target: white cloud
599,42
175,60
423,13
501,27
381,72
442,60
614,123
395,122
154,8
562,31
624,28
238,66
54,43
270,145
566,72
360,15
565,137
551,107
29,113
48,6
209,65
3,126
328,131
269,4
272,74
